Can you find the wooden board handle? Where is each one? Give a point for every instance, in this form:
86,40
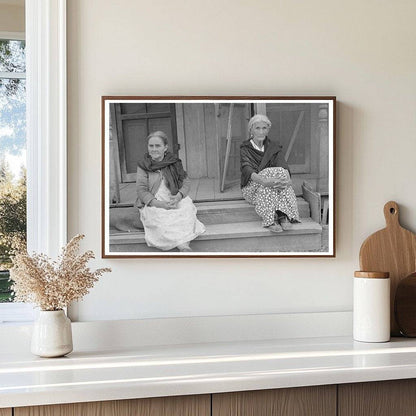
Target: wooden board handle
391,214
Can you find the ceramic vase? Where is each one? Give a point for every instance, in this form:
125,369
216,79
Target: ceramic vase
52,334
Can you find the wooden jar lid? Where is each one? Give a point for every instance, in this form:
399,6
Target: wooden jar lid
372,275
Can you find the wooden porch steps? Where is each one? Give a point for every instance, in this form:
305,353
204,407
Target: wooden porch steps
226,212
247,236
218,212
231,226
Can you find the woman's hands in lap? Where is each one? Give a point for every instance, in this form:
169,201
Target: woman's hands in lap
160,204
280,184
172,204
174,200
276,183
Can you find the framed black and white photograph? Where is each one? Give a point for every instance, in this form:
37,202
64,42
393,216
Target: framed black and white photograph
218,176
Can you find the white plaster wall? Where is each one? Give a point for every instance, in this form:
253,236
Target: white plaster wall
12,18
363,52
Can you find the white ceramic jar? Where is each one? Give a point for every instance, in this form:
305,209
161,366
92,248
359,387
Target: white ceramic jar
371,313
52,334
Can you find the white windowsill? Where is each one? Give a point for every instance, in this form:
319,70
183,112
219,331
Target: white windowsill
16,313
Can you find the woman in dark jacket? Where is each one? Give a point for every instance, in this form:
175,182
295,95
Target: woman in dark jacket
265,177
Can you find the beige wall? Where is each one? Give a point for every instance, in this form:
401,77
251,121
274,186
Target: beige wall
361,51
12,18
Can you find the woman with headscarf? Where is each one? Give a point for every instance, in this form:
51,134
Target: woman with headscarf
265,177
166,211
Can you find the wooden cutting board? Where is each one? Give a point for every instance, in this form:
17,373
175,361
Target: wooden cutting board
393,250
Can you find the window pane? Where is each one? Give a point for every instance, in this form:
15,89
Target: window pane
158,108
12,170
12,117
12,56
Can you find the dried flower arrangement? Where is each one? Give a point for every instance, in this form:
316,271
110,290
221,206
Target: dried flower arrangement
53,285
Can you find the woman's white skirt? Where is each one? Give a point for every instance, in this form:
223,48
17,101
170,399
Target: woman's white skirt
167,229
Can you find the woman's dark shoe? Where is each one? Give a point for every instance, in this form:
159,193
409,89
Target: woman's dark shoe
286,224
275,228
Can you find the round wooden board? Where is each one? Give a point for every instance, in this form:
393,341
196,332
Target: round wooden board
405,306
393,250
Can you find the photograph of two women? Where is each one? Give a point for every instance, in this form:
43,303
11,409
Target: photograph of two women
218,176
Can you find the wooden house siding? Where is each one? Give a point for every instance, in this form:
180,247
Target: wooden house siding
198,133
202,132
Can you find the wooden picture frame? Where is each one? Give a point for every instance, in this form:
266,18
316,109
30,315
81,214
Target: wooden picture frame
206,134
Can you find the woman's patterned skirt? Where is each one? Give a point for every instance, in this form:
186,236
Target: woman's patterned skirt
267,201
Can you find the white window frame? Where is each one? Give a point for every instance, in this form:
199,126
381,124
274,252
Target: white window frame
46,126
12,35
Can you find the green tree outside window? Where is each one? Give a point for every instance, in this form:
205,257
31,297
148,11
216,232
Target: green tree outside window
12,146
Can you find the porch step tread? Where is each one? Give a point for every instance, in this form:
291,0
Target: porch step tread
238,204
237,211
248,229
240,201
254,229
209,213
